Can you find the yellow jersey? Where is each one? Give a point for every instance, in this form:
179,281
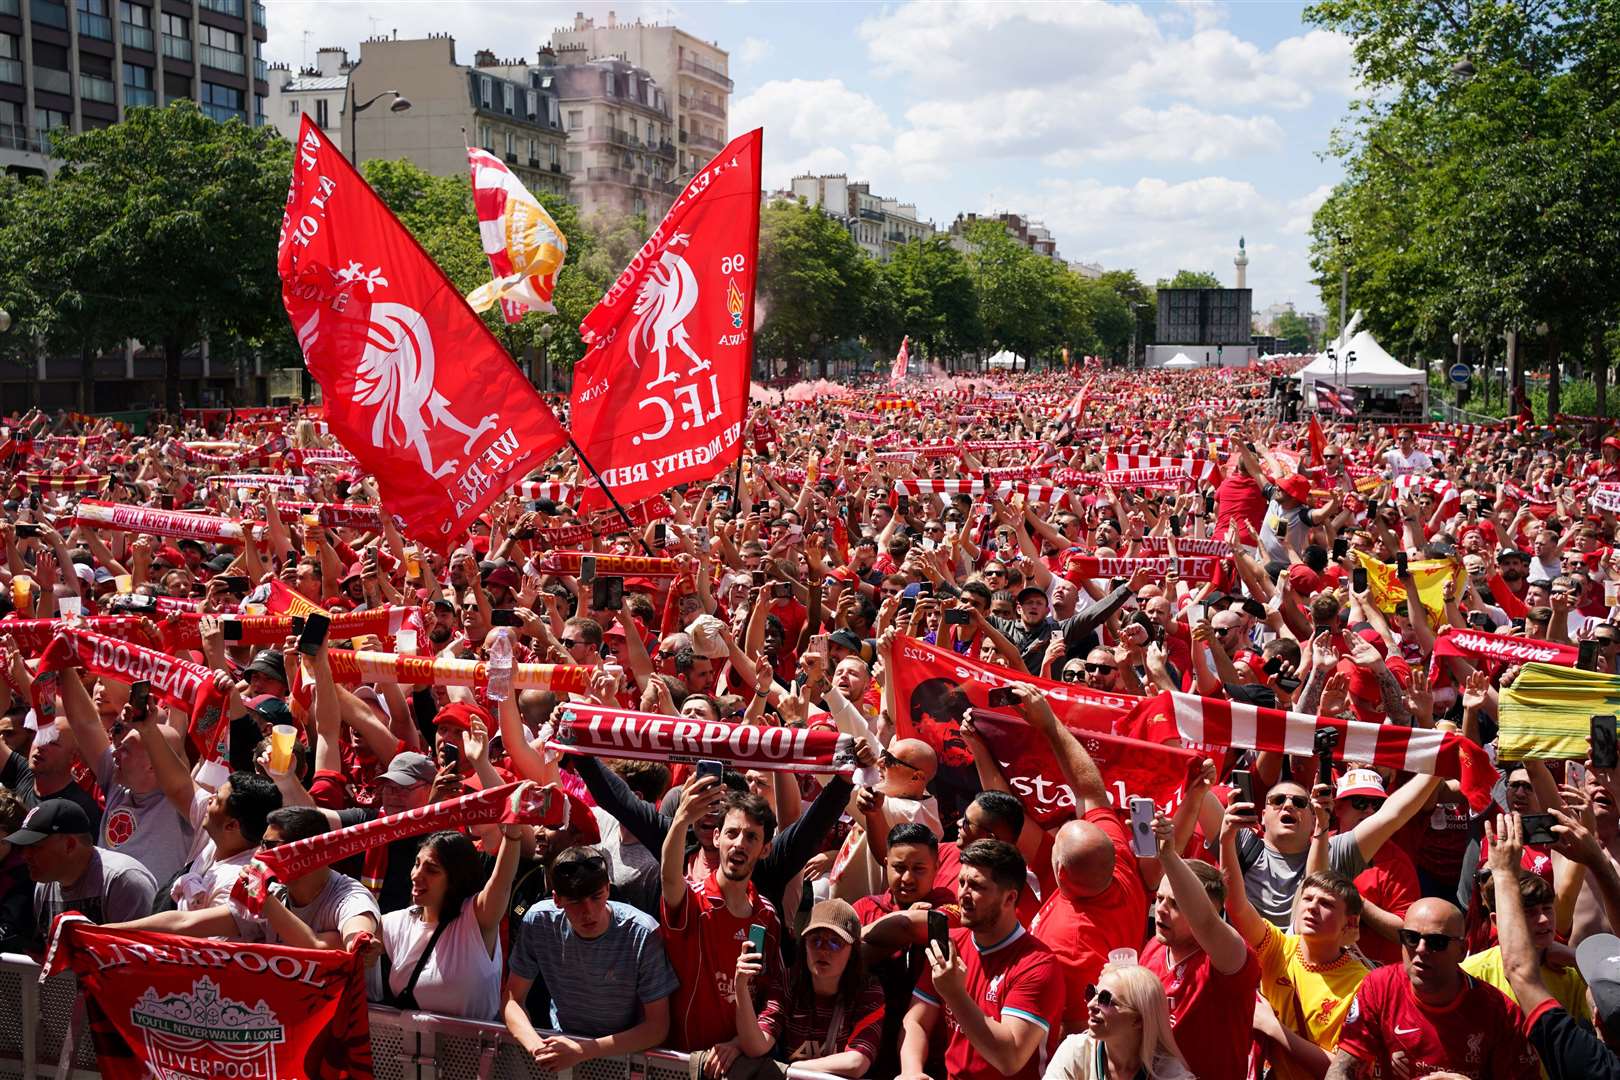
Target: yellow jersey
1309,1000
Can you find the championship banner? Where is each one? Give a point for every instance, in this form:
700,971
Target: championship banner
1502,648
1429,576
934,688
525,247
1217,722
354,667
374,316
178,524
183,684
661,396
1193,568
521,803
1547,712
617,733
161,1005
34,636
567,562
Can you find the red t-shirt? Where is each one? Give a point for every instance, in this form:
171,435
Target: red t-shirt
1209,1012
703,941
1029,903
1391,882
1238,498
1016,976
1479,1035
1082,932
872,908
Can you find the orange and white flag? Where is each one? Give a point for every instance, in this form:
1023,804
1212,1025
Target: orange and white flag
526,249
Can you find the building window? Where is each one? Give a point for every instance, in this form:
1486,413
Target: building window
573,161
222,49
533,155
555,159
576,119
10,59
320,114
531,104
293,108
137,25
50,119
486,138
511,145
222,102
508,96
93,21
219,37
486,91
176,36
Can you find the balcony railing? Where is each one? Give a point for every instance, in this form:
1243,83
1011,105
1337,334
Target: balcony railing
177,48
138,95
95,26
11,72
19,137
53,81
92,88
222,59
665,149
137,37
697,104
608,174
222,114
617,136
49,14
692,67
258,14
224,7
261,70
707,142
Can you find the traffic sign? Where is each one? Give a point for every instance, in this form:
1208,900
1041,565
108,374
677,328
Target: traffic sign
1460,373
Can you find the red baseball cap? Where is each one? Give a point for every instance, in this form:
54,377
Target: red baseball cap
1296,487
459,715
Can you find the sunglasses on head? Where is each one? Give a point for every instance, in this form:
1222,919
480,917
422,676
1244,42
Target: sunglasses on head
1434,942
1299,802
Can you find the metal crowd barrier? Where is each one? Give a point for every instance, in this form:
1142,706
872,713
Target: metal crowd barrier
35,1017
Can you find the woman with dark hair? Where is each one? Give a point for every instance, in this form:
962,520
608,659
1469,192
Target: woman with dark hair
831,1016
444,951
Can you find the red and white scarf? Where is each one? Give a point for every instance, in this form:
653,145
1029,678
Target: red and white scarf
616,733
154,522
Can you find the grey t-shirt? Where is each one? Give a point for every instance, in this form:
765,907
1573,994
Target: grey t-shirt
114,888
341,899
599,986
632,867
19,779
147,827
1271,878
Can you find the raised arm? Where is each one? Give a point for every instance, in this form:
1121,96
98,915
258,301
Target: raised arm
1079,771
1226,948
699,795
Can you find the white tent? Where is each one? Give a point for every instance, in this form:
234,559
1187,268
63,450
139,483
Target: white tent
1009,360
1180,360
1371,368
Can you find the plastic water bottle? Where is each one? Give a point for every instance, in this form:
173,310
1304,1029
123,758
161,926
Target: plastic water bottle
500,665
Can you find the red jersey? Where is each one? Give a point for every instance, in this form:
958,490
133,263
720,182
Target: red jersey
1238,498
1391,882
1082,932
1209,1012
872,908
1017,976
1029,901
703,940
1479,1035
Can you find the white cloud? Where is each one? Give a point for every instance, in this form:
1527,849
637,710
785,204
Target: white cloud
752,51
1302,209
808,120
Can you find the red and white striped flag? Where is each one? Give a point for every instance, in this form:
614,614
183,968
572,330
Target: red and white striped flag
526,249
1215,722
1077,407
901,359
1334,400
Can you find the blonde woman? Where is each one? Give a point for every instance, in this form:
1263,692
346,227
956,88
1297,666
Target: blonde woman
1127,1034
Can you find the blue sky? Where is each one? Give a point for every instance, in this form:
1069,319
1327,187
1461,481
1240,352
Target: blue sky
1147,135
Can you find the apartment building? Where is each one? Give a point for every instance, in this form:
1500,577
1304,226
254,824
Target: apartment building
321,91
77,65
621,134
1032,234
879,225
693,70
491,103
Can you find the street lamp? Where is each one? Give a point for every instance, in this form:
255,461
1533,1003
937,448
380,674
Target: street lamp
1464,69
399,104
5,320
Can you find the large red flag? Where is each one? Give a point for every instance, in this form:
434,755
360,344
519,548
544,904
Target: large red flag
901,361
660,397
1316,441
415,385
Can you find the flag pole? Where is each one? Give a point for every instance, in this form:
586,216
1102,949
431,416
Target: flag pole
612,498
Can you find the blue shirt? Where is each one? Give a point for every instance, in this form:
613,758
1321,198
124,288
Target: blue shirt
598,987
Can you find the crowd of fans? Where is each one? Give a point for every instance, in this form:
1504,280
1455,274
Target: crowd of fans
1371,924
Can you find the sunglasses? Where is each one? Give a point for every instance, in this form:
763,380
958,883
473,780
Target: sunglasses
569,643
887,758
1105,999
826,943
995,573
1096,669
1299,802
1071,675
1364,802
1434,942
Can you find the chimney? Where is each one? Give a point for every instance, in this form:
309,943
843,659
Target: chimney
613,19
331,61
483,58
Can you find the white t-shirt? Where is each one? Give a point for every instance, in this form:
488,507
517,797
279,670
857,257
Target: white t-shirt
462,977
1402,465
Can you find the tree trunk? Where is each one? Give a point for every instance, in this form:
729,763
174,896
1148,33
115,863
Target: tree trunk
1600,370
87,380
1553,377
172,347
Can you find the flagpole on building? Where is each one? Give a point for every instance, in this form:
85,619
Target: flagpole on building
612,498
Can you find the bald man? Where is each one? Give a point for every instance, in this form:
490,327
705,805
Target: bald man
908,765
1427,1015
1100,903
